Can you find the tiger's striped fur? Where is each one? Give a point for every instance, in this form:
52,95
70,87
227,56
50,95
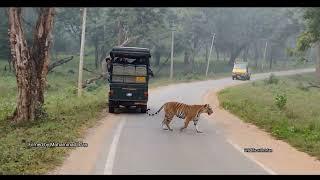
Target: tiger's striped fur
183,111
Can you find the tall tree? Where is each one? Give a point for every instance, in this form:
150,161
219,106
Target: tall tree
31,62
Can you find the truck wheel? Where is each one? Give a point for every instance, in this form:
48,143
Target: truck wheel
143,109
111,109
232,78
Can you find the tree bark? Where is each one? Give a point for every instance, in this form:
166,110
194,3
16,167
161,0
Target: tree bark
40,48
31,64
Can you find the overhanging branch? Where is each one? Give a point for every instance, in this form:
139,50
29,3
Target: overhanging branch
59,62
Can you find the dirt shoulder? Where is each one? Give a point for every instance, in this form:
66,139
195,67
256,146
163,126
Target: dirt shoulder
284,159
82,160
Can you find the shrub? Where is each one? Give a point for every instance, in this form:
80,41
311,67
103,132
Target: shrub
281,101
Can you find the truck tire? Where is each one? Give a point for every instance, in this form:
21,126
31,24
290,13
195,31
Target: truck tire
111,109
143,109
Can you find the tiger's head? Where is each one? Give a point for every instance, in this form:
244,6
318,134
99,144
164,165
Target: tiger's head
208,109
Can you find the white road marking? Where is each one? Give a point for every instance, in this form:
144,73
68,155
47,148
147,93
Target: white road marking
251,158
113,149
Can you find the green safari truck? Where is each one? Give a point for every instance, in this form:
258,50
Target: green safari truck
129,71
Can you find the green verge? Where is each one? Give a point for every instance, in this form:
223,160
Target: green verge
298,123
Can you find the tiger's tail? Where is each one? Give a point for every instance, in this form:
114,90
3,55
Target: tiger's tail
155,112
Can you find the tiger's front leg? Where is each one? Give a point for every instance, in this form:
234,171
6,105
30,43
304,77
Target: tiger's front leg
186,122
195,122
166,121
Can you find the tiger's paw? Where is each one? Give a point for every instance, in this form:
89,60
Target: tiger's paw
199,132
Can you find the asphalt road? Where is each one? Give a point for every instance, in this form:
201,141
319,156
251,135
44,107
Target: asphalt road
138,145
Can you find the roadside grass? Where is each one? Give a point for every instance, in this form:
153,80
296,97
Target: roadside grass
68,115
68,118
298,123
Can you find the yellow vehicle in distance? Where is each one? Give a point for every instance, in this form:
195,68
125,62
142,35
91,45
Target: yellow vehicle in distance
241,71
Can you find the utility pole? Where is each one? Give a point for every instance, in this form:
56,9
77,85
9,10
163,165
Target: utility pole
81,50
265,54
172,42
213,37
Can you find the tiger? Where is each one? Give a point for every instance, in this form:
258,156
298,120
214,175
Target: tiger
182,111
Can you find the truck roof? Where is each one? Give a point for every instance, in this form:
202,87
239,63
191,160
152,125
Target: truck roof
130,52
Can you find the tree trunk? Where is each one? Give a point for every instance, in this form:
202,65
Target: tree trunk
31,64
235,53
186,57
270,63
256,56
192,63
271,57
96,53
318,61
186,61
194,49
207,53
217,52
232,58
157,58
120,33
245,54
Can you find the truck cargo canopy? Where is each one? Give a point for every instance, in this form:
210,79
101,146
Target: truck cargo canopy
130,52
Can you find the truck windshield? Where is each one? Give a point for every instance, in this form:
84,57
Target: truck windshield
240,66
